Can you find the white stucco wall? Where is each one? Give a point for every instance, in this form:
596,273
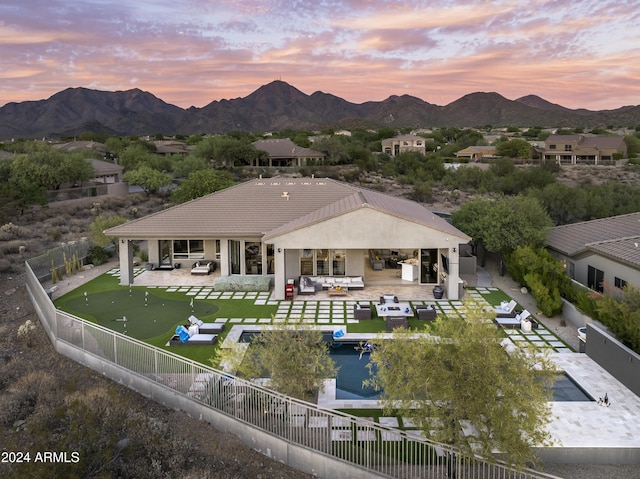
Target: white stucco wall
366,228
361,230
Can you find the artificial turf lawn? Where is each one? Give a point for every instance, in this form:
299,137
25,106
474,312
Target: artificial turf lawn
147,314
156,322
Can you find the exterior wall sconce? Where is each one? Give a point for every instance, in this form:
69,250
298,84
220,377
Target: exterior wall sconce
454,249
279,250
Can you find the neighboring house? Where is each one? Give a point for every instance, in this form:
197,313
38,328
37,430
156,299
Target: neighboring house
284,152
172,147
287,227
477,153
403,143
599,252
80,145
584,150
106,172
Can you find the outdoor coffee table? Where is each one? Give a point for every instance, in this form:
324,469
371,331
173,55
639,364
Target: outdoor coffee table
338,291
394,309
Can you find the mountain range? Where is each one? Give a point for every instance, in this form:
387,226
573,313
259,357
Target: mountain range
278,106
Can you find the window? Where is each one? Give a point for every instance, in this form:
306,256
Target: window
252,257
339,258
188,249
595,278
552,147
306,262
322,262
234,257
568,148
327,262
619,283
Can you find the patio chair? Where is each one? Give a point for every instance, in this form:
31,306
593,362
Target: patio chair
361,311
426,312
505,309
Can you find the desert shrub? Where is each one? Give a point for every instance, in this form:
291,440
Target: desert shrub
10,231
12,247
96,255
59,220
55,234
5,266
21,398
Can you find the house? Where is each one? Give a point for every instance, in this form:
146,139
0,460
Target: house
172,147
284,152
584,150
284,228
403,143
477,153
600,252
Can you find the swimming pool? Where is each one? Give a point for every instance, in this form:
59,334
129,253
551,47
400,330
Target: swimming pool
353,371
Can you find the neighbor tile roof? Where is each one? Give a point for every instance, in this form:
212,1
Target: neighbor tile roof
626,250
284,148
261,207
575,238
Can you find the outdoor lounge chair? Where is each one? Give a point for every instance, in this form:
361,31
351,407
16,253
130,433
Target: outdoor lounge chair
505,309
206,328
191,337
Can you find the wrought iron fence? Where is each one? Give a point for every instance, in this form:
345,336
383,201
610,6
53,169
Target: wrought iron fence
381,450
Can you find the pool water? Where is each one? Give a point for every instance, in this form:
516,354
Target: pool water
353,371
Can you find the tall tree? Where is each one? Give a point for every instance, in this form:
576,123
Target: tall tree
296,360
102,223
458,379
505,223
147,178
202,183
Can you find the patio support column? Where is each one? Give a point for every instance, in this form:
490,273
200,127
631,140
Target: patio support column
454,273
280,276
126,262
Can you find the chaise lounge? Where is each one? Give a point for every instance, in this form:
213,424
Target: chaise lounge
506,310
206,328
191,337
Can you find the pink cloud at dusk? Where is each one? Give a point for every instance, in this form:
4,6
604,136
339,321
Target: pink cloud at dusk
578,54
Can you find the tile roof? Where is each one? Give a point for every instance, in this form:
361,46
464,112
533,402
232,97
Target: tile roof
578,237
626,250
271,206
284,148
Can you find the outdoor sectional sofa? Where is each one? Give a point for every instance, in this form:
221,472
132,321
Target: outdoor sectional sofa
311,284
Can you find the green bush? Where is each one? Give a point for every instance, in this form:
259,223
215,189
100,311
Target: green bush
548,299
96,255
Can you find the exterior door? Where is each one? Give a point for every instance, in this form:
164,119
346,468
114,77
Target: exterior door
595,277
165,252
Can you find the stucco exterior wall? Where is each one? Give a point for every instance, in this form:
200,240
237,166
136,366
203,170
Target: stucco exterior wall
611,269
366,228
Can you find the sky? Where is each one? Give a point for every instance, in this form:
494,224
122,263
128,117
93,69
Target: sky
577,53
